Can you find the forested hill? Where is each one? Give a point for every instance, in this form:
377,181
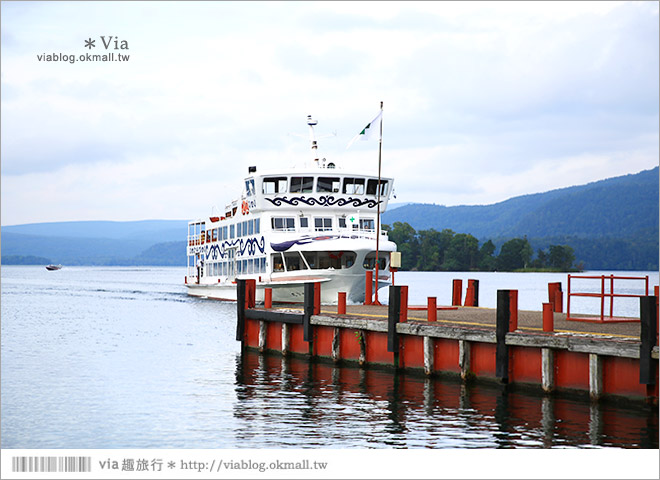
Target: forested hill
619,207
611,224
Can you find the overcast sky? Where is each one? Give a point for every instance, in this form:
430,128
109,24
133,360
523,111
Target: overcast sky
482,101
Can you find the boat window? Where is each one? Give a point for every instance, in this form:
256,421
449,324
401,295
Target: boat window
231,231
274,185
370,260
283,223
342,222
354,186
372,187
328,184
292,261
250,228
310,258
367,224
278,266
249,187
322,224
302,184
304,222
239,229
257,225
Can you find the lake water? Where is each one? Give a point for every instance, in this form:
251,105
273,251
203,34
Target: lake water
100,358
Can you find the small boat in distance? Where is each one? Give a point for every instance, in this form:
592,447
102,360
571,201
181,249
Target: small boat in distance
53,267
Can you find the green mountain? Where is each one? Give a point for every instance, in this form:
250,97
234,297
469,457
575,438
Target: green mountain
616,207
611,224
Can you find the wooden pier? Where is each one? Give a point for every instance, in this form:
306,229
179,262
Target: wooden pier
539,349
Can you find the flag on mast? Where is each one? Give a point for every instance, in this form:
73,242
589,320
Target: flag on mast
368,131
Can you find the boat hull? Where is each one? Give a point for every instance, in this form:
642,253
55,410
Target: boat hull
291,288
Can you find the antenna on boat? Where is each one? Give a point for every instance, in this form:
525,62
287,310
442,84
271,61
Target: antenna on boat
311,123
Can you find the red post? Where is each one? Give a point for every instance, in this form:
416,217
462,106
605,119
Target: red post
457,290
367,287
432,309
317,298
250,293
469,295
268,298
513,309
555,296
392,270
341,303
403,316
548,318
559,301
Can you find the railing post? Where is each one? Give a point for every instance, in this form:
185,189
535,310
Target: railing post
501,329
612,296
568,298
602,298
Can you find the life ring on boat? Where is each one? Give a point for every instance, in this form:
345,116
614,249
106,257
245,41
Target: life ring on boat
245,209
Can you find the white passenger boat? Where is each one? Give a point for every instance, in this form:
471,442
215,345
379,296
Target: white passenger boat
315,223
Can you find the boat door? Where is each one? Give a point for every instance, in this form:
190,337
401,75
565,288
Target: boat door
231,275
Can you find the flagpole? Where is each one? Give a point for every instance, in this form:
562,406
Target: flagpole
380,148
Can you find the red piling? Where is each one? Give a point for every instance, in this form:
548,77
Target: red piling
268,298
457,290
548,318
368,287
403,317
513,310
341,303
432,309
469,295
250,293
555,296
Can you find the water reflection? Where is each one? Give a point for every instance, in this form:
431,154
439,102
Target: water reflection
290,402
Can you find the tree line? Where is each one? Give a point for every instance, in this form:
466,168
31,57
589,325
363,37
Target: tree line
432,250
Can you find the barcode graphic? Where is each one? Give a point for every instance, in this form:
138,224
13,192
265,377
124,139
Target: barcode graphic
51,464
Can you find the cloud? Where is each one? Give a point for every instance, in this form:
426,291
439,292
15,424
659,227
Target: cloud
483,101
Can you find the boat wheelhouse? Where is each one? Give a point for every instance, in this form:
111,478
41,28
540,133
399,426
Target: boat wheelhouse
317,223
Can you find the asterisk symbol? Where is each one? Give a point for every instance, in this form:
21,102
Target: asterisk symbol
171,465
90,43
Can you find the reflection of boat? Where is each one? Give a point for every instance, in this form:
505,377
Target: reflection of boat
53,267
315,223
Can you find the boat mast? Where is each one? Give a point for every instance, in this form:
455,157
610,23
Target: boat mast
311,123
380,148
